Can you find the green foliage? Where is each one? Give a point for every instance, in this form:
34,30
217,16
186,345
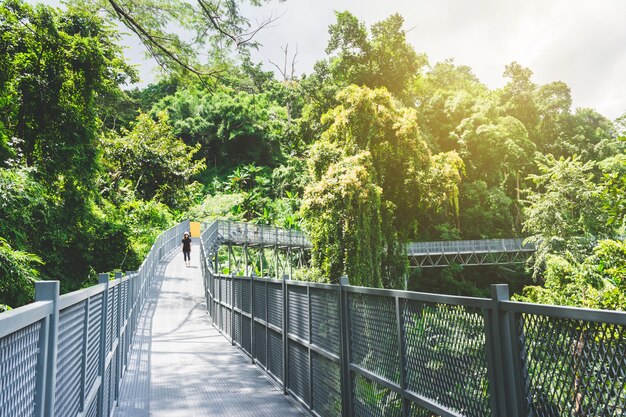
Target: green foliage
231,127
86,184
342,216
23,205
373,144
144,220
572,222
564,212
54,67
149,162
599,281
214,207
17,275
613,185
385,59
486,212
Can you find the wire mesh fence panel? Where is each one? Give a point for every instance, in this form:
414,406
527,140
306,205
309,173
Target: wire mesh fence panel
371,399
93,340
237,293
109,329
246,340
573,367
246,300
298,358
326,386
226,314
69,360
226,290
298,312
114,303
275,303
92,411
325,319
374,335
237,328
259,300
446,356
106,392
18,371
124,299
260,353
275,354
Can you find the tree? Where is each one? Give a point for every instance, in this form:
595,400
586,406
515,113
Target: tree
398,162
342,215
613,186
385,59
517,98
231,127
55,66
597,281
565,214
485,212
217,24
18,272
150,161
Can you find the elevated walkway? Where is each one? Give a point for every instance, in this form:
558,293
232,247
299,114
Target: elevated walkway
468,252
180,365
145,344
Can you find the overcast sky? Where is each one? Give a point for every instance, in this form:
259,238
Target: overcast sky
580,42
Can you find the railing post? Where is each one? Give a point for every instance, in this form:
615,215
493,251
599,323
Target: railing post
344,338
252,338
46,383
285,338
503,364
232,309
103,279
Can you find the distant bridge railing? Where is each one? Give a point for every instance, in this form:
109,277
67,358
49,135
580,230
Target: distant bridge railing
256,234
64,356
353,351
468,252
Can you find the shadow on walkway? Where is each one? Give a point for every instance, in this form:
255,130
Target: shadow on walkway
181,366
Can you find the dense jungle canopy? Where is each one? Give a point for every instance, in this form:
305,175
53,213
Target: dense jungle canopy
376,147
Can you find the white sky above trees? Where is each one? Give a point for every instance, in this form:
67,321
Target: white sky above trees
579,42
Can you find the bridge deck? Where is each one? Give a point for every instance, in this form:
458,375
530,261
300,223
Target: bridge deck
181,366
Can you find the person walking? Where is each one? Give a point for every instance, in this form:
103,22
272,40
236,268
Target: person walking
187,248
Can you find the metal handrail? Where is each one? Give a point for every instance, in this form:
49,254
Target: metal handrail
38,336
491,350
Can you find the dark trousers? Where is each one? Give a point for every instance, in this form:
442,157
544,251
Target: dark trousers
187,255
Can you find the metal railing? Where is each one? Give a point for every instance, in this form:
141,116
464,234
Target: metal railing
468,252
353,351
64,355
241,233
469,246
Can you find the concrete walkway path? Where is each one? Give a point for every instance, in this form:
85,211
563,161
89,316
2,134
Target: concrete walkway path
180,366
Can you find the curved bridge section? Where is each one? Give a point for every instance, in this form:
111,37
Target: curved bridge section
341,350
64,356
249,249
468,252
